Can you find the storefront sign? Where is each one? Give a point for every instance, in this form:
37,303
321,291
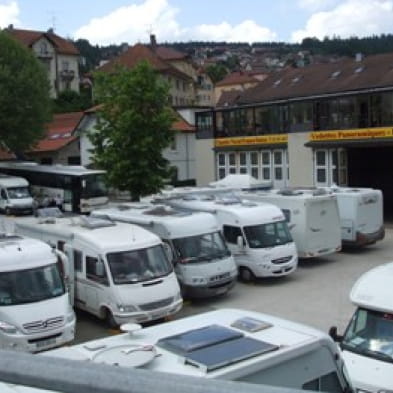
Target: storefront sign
361,133
252,140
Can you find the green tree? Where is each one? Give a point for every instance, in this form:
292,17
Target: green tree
25,105
216,72
134,126
71,101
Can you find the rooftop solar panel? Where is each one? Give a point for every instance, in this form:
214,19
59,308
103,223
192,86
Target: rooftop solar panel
198,338
229,352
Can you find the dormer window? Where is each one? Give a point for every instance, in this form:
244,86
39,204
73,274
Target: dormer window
335,74
43,48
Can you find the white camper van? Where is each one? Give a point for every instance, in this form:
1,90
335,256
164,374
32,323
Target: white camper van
367,344
256,233
121,271
15,196
228,344
202,261
35,309
361,215
312,216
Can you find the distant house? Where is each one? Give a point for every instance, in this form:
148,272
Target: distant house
59,56
61,144
180,154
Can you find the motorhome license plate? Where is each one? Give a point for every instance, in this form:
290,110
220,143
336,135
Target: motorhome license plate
45,343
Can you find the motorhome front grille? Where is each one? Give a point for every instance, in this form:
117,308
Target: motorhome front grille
39,326
155,305
280,261
219,277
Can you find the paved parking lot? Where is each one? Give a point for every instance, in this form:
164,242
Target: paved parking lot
317,294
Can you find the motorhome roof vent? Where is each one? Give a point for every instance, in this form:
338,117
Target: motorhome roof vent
160,210
49,212
319,191
207,197
6,237
228,200
189,198
289,192
214,346
248,203
95,222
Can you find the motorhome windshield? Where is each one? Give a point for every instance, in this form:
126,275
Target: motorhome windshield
370,333
93,186
205,247
18,192
267,235
130,267
28,286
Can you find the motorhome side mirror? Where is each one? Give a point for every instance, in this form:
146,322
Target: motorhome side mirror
333,334
100,269
168,251
240,242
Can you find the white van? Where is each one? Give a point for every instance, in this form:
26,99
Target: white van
203,263
256,233
35,310
361,215
121,271
367,344
15,196
312,215
227,344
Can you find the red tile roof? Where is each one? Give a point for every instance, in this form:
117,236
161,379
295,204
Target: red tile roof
346,75
60,132
237,78
181,125
228,98
167,53
140,52
29,37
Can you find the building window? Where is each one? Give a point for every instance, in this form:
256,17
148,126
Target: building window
43,48
46,160
232,163
221,165
173,145
330,167
74,160
65,66
254,164
266,165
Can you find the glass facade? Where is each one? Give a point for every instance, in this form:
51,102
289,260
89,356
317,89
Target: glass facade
345,112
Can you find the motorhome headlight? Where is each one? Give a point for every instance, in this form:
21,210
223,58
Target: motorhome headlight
128,308
199,280
8,328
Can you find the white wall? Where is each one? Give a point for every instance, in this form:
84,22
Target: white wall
204,161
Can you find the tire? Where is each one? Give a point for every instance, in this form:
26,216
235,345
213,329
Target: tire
110,320
246,275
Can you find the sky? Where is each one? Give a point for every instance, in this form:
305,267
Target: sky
104,22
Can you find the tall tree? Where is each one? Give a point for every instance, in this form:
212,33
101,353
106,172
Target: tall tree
134,126
25,105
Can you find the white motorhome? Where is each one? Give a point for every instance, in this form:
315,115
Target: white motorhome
202,261
361,215
256,233
15,196
121,271
35,309
312,215
367,344
227,344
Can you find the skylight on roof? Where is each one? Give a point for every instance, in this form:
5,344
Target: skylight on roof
335,74
296,79
66,135
277,82
359,69
54,136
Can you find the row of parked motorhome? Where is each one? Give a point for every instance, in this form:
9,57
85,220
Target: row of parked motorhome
112,267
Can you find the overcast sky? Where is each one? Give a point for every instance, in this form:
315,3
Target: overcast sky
115,21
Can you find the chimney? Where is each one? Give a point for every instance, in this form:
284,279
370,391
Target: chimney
358,57
153,42
50,30
11,27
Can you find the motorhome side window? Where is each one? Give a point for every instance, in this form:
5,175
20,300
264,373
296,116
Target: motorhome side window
95,270
77,261
232,233
287,214
326,383
3,194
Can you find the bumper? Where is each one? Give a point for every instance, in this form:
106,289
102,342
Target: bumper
276,270
318,253
216,289
21,210
363,239
38,342
146,316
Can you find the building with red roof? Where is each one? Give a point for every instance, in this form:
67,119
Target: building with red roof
59,56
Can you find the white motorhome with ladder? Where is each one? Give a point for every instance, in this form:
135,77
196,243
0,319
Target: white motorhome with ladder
256,233
202,261
361,214
312,216
367,344
35,309
227,344
121,271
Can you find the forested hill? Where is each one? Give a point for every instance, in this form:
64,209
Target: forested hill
328,46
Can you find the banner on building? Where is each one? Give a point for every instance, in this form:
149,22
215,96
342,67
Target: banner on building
361,133
252,140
